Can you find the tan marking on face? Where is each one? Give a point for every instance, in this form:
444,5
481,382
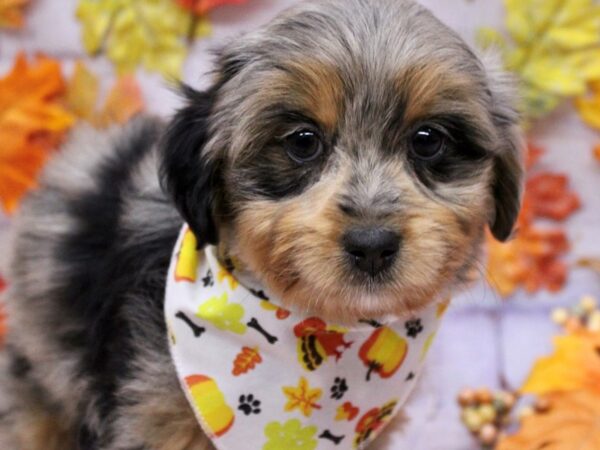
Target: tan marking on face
319,89
431,88
295,247
308,86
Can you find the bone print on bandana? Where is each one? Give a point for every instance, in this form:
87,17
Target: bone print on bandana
261,376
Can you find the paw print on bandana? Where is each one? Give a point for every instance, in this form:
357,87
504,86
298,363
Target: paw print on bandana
249,405
413,328
208,280
339,388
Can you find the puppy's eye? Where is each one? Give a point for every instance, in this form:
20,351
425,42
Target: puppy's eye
428,144
303,146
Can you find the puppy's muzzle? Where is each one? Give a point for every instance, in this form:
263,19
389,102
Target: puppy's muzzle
371,250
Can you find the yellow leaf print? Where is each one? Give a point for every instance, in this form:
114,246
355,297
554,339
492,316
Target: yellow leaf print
290,435
302,397
225,275
222,314
187,259
555,49
427,345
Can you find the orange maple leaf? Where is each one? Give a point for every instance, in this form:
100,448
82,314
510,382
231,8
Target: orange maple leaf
32,123
201,7
597,152
530,260
533,258
547,195
123,102
11,13
245,361
574,365
573,422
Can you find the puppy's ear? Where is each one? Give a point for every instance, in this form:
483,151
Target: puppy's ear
507,186
508,181
188,174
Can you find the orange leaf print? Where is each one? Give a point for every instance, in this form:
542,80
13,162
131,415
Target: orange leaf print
201,7
32,123
347,411
597,152
246,361
573,422
11,13
302,397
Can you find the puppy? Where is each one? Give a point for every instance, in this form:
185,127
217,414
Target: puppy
348,156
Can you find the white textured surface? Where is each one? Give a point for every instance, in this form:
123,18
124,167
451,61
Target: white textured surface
482,341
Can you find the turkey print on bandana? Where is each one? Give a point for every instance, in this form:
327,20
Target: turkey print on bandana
272,379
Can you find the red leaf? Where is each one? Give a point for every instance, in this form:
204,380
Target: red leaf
201,7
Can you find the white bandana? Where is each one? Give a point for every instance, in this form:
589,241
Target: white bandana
260,377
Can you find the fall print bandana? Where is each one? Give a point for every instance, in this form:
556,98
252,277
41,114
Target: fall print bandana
260,377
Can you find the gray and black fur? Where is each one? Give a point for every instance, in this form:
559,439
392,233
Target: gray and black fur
86,364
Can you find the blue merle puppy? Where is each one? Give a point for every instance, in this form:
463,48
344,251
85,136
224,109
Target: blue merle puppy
350,154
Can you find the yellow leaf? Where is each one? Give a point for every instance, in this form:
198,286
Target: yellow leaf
555,49
82,92
575,365
589,106
151,33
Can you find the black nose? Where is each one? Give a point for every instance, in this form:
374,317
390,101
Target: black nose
372,250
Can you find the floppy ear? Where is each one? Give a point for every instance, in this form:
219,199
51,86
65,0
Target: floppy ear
188,174
507,187
508,180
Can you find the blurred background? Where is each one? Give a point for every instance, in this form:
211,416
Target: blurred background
104,61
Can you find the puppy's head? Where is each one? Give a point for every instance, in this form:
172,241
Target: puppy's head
350,154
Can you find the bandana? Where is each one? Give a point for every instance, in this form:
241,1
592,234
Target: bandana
261,377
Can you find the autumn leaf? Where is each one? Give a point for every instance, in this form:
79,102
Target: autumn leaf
554,47
11,13
589,106
32,122
302,397
547,195
574,365
151,33
246,361
572,423
532,259
201,7
597,153
123,102
590,263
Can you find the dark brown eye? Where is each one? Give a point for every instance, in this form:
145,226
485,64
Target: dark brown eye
303,146
428,143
